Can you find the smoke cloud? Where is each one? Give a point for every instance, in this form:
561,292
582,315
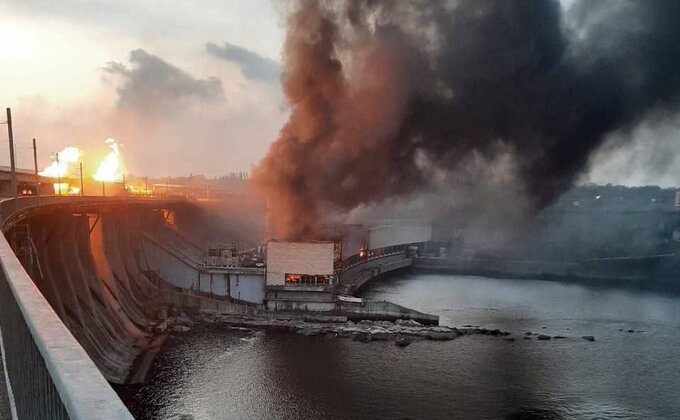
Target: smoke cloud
154,84
252,64
389,98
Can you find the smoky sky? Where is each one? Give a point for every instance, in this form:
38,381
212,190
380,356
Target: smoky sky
151,83
253,65
385,95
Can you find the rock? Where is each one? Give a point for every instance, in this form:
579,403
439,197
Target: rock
528,333
544,337
208,313
309,332
557,337
241,329
631,331
180,328
526,337
403,341
544,328
163,313
440,329
162,327
365,322
408,323
380,336
588,337
510,339
183,321
362,336
437,336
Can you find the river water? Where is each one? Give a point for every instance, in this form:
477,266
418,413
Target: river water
210,373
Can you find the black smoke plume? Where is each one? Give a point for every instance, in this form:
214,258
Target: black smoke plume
387,96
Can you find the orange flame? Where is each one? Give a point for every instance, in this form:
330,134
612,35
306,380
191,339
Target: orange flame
111,168
59,168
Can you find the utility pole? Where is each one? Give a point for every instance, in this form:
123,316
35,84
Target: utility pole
58,176
82,186
13,169
35,169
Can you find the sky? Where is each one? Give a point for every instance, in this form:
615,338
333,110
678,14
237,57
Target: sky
189,87
185,87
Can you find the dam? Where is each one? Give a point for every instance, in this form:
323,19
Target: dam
105,276
109,271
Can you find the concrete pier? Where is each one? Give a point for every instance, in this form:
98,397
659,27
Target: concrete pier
322,300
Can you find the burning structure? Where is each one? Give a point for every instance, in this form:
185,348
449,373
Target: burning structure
300,263
66,171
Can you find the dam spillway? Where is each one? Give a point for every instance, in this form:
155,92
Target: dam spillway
89,260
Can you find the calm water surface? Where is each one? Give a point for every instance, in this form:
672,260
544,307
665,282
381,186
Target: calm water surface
210,373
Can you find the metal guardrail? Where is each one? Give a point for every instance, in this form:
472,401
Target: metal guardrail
50,374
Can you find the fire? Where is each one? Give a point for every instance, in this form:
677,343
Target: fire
59,168
111,168
64,188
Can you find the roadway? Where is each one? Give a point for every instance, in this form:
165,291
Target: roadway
12,211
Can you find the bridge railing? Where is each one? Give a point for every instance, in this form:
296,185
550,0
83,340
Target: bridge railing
50,374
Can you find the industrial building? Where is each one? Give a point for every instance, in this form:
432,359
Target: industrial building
300,263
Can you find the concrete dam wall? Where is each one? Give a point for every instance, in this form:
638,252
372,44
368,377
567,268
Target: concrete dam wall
93,267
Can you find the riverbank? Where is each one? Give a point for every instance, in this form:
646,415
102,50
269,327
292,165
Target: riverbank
236,371
401,332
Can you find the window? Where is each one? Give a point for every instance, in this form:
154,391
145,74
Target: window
308,279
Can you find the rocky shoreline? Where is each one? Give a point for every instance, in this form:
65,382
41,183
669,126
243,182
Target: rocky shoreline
402,332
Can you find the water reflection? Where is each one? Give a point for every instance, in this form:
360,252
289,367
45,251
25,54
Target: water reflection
212,373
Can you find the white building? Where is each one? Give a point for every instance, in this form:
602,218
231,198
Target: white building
300,263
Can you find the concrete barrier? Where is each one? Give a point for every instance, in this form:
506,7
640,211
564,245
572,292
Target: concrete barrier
354,277
50,374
